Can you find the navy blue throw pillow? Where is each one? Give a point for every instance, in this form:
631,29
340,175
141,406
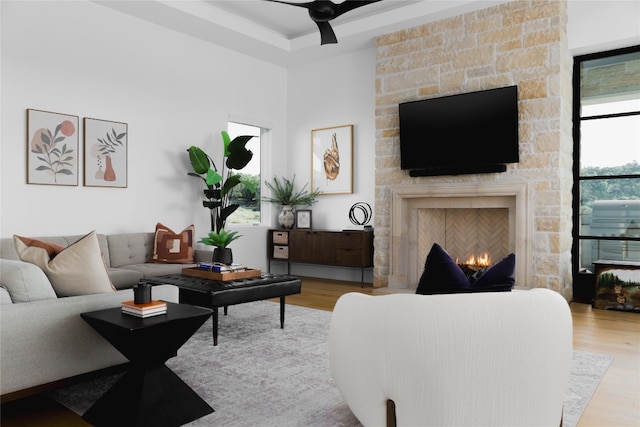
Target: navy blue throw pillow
441,274
498,277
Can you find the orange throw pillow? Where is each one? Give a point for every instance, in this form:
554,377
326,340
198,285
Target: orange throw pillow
51,248
172,247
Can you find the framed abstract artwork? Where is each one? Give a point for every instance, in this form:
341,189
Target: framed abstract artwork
105,153
332,160
52,148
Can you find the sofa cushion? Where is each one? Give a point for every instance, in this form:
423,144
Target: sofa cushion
79,269
151,269
130,248
124,278
172,247
24,281
441,274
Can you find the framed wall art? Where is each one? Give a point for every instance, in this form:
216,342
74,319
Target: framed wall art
52,148
105,153
303,218
332,160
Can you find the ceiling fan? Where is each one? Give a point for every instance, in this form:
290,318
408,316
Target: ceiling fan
323,11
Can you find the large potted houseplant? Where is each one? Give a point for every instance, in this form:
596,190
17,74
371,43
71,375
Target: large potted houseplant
283,192
220,183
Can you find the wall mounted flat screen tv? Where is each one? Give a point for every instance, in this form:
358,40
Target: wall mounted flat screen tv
473,132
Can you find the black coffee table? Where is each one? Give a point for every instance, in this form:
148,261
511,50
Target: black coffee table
215,293
149,393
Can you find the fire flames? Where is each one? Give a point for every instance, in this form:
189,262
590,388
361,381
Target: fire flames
479,261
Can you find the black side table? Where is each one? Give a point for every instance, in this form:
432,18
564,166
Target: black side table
149,394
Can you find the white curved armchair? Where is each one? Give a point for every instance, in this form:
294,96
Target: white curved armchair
478,359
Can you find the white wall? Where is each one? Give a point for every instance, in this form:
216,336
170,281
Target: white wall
335,92
600,25
174,91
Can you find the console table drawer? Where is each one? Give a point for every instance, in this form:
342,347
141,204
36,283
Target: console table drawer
280,252
280,237
351,258
348,240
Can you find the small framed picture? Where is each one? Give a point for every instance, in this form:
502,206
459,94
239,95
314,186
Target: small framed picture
303,218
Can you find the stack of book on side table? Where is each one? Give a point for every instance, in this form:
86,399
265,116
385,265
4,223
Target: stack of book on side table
153,308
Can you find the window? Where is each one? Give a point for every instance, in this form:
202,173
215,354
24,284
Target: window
249,211
606,202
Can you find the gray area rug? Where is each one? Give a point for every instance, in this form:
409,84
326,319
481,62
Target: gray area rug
261,375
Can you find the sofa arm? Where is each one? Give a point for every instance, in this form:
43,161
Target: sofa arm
47,340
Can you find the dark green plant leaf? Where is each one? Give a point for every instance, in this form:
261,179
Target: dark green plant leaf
230,182
199,160
238,156
213,193
211,204
228,210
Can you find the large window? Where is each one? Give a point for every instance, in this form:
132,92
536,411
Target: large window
249,211
606,159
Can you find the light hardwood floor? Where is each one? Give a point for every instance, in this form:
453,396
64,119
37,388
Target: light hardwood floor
616,402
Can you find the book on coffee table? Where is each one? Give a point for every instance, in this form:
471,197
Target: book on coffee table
153,308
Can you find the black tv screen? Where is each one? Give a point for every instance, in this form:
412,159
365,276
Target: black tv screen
460,133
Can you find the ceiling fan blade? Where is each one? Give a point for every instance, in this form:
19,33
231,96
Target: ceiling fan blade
348,5
327,36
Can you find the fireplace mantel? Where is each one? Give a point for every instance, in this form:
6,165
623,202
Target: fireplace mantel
405,266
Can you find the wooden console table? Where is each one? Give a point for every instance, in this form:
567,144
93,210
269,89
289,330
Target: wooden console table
347,248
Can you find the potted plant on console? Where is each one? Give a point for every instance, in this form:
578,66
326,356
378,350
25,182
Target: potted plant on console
219,186
283,192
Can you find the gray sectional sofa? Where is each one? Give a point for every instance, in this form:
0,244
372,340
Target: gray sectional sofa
43,339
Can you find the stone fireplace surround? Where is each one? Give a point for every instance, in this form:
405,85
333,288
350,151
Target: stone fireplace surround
522,42
406,263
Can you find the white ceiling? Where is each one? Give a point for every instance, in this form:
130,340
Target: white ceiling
285,35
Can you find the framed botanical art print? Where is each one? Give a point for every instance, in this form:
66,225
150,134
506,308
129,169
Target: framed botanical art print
303,218
105,153
332,160
52,148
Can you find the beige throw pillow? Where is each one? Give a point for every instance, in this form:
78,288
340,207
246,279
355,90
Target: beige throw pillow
76,270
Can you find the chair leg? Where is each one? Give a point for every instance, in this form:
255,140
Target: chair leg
391,413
